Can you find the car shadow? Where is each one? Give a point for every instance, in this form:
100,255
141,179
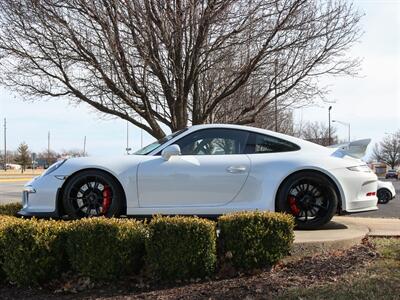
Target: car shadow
332,225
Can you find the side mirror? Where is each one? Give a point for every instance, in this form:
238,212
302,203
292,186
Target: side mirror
171,150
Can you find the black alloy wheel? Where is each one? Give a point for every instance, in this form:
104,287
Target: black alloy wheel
92,193
311,199
384,196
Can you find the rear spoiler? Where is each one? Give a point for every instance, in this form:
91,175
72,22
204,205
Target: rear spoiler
354,149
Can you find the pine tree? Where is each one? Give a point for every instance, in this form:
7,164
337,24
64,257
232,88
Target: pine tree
23,157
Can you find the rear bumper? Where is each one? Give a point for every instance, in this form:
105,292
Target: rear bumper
358,190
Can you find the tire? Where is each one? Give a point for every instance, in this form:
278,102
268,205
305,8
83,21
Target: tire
92,193
384,196
310,197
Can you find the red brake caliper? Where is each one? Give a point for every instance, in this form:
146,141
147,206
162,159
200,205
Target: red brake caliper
293,206
106,199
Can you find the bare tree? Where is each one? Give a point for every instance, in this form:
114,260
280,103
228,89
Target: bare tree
47,157
316,132
175,62
388,150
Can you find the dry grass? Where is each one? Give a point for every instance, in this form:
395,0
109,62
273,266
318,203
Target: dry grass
380,280
28,172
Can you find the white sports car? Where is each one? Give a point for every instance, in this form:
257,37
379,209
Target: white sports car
209,170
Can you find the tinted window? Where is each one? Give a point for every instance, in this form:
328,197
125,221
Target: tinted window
260,143
213,142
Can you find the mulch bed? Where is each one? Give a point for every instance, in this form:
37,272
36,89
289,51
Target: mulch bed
262,284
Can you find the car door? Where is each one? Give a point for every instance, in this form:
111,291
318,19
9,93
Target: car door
210,171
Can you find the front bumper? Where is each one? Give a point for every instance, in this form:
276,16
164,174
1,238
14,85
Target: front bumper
358,190
39,197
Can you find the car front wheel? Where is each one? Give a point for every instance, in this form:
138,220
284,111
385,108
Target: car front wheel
310,198
92,193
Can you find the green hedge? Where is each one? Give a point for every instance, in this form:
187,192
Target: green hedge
106,248
4,222
172,248
32,251
10,209
255,239
181,248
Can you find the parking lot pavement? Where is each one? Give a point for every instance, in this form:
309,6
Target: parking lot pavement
10,190
389,210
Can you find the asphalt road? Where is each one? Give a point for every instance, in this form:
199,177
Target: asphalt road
10,191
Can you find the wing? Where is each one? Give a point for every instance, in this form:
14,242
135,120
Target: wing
354,149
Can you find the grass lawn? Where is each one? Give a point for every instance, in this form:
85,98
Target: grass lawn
380,280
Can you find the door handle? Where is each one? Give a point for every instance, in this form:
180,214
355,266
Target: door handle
236,169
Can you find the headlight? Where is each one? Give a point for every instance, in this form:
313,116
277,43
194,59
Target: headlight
54,167
361,168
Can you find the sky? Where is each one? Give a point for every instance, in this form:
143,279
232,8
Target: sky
370,102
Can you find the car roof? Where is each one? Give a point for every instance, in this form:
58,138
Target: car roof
302,143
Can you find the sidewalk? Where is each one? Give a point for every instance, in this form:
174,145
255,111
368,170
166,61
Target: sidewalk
341,233
376,226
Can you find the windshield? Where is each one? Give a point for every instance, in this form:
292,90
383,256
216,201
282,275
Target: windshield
149,148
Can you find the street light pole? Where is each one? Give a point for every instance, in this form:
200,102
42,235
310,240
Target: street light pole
127,138
329,125
141,134
48,149
345,124
276,100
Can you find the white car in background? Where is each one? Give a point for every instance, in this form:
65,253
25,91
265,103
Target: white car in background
386,191
209,170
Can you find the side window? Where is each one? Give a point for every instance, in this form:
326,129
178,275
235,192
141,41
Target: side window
260,143
213,142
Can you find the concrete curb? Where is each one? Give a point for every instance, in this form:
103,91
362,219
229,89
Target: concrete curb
378,227
341,233
333,236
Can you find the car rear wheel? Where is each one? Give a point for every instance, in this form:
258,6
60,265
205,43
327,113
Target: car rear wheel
311,198
92,193
384,196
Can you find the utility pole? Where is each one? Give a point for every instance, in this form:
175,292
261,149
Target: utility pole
5,144
84,146
48,149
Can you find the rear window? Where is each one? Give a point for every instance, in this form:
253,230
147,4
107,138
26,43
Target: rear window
260,143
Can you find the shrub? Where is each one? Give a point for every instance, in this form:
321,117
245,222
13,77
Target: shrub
255,239
4,221
106,248
181,248
10,209
32,251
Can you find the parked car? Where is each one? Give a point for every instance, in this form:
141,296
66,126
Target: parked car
386,191
392,174
209,170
